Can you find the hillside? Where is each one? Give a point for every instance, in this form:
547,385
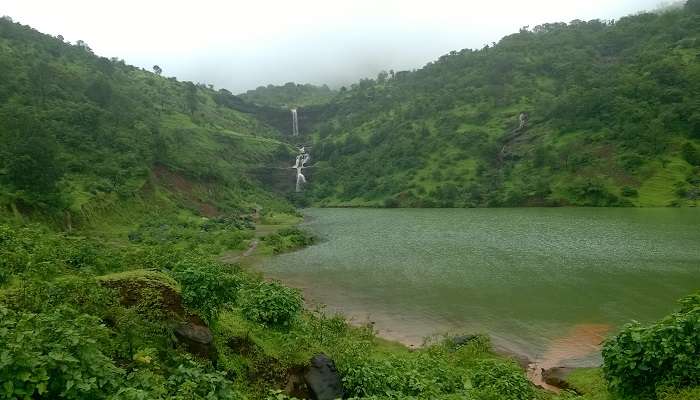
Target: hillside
289,95
85,134
613,120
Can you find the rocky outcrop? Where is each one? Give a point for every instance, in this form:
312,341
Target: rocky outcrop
158,290
197,339
323,380
461,340
557,376
139,285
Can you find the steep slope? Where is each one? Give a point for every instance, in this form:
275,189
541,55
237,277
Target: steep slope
82,133
613,119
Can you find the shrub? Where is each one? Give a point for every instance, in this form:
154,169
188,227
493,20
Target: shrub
691,154
629,192
207,285
55,354
288,239
641,360
400,376
270,303
494,379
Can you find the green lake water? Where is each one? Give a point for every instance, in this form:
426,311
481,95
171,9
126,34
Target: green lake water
528,277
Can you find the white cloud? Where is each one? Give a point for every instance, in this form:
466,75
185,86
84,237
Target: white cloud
244,44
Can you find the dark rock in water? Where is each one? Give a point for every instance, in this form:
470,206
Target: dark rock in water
463,339
197,339
557,376
323,380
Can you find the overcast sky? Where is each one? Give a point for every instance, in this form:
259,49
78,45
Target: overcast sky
242,44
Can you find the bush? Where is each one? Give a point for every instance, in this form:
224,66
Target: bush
691,154
493,379
401,376
288,239
55,354
642,360
270,303
629,192
207,285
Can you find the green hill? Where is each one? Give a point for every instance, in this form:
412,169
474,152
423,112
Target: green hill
83,134
289,95
613,113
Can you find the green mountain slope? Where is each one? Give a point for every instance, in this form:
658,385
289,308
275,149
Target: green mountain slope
614,119
289,95
82,133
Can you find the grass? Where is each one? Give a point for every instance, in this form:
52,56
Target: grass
148,277
657,191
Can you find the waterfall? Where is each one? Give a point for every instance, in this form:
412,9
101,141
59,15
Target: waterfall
299,164
295,122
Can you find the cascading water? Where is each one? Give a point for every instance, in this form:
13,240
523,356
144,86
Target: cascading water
295,122
301,160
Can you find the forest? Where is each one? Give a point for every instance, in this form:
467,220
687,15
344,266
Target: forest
612,110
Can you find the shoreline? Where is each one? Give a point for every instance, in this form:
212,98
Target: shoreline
582,341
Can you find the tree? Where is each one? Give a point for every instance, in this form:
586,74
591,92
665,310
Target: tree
157,70
691,154
31,168
693,5
191,97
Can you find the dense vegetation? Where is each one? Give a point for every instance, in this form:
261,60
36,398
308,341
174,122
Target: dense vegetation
651,360
91,319
289,95
613,121
123,192
82,133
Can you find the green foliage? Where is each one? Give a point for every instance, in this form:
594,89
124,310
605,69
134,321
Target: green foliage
270,303
207,286
209,235
60,353
642,360
80,133
447,134
691,154
289,95
494,379
288,239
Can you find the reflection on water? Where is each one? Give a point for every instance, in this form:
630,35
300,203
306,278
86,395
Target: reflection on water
527,277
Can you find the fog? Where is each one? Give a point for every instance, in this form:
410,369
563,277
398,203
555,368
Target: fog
240,45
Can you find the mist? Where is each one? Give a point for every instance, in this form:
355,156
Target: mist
242,45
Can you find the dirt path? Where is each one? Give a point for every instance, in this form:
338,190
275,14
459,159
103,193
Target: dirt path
232,258
251,248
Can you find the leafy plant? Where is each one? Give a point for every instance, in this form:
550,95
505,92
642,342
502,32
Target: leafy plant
643,359
207,285
496,379
270,303
60,353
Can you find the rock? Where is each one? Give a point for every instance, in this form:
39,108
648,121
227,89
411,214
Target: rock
556,376
135,286
323,380
461,340
197,339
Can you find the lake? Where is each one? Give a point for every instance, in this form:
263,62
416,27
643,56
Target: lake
542,282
